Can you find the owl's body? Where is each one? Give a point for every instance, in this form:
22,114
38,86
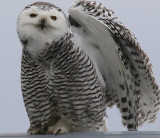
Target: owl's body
70,74
59,82
52,84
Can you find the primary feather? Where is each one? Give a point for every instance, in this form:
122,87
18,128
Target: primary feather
119,60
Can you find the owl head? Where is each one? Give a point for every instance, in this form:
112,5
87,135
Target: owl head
41,23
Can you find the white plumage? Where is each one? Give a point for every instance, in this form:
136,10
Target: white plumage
70,73
119,60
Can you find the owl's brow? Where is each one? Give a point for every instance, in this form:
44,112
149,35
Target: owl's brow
44,4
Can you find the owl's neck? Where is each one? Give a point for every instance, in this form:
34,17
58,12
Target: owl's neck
37,42
49,51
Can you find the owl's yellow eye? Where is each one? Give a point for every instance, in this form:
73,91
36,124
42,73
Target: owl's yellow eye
54,18
33,15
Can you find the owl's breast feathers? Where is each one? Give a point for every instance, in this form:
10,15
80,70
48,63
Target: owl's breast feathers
62,77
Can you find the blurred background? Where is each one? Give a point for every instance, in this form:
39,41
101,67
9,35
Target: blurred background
142,17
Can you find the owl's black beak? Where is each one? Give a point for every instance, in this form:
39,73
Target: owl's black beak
42,24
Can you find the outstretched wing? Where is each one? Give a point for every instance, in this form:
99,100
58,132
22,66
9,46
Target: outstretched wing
119,60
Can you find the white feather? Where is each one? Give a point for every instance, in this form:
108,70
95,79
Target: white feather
99,26
28,28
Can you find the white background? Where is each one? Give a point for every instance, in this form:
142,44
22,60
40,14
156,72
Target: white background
142,17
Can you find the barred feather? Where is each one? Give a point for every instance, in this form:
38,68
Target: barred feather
63,78
128,76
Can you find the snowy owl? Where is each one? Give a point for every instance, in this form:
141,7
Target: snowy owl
73,68
60,86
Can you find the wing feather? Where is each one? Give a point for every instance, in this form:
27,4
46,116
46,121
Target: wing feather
118,45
